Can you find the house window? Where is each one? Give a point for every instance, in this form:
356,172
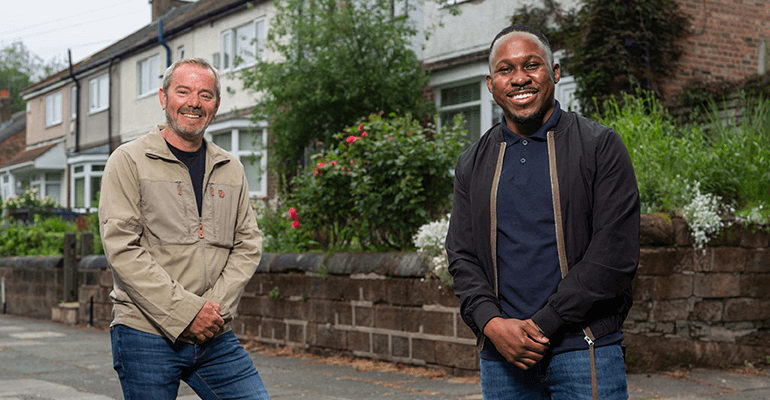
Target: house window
98,94
149,82
249,145
464,99
180,52
53,109
86,184
74,101
244,45
48,184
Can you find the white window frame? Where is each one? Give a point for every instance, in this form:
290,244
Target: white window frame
53,109
485,103
99,94
7,184
236,128
88,173
232,45
148,76
42,184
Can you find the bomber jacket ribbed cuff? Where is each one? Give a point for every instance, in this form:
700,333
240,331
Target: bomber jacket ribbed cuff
548,320
484,313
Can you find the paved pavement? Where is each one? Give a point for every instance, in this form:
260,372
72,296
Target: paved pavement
44,360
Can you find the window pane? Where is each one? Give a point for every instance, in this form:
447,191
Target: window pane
227,49
251,165
80,192
53,190
78,169
261,38
250,140
53,176
244,44
472,121
104,91
96,182
97,167
460,94
223,140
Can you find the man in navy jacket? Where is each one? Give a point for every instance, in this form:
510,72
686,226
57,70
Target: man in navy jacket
543,241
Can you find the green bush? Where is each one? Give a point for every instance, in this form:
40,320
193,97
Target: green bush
702,171
45,237
278,227
380,181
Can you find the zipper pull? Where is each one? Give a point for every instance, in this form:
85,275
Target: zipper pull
179,187
588,339
200,231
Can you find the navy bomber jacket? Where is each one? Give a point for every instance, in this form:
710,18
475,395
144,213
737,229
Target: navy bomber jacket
600,215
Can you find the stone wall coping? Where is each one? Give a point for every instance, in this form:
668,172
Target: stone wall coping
28,262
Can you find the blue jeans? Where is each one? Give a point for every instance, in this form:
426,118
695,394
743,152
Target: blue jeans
151,367
565,376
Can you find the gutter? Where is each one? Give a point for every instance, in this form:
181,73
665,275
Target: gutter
77,102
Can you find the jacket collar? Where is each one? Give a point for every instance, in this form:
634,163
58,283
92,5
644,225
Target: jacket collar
157,148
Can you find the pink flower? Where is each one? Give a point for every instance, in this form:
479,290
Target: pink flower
364,134
342,168
360,127
320,165
333,163
351,139
294,224
293,214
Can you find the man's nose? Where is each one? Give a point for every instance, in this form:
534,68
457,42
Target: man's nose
521,78
193,101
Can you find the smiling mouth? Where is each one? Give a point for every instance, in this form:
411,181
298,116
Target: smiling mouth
194,116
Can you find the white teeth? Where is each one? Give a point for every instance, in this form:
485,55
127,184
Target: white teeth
522,96
191,116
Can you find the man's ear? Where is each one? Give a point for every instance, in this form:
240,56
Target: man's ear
556,73
162,97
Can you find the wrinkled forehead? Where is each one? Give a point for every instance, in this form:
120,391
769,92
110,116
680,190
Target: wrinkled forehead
502,39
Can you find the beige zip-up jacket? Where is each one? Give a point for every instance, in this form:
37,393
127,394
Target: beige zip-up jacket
166,260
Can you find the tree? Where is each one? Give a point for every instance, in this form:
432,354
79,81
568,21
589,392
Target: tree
614,46
341,60
19,68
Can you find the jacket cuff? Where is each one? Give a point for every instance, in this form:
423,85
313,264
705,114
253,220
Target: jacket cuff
484,313
183,316
548,320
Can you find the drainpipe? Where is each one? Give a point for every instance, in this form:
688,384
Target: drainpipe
109,109
163,42
77,103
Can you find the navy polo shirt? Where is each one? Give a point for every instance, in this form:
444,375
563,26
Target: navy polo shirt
527,255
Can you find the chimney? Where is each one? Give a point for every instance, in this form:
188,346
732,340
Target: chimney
6,105
160,7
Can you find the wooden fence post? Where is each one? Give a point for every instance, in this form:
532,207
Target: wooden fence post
70,267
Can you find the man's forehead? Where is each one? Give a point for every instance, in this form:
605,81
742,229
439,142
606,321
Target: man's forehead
502,39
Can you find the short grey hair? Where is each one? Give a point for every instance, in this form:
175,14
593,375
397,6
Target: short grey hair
201,62
543,42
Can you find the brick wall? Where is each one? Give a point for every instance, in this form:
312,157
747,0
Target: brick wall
707,308
724,42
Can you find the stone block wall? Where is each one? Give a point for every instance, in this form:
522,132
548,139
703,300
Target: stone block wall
691,306
699,306
33,285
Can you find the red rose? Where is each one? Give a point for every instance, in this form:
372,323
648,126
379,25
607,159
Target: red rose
333,163
293,214
320,165
351,139
360,127
294,224
363,134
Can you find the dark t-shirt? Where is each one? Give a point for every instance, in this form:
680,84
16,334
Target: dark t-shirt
196,165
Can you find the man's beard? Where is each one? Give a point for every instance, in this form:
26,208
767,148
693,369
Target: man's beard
187,135
534,118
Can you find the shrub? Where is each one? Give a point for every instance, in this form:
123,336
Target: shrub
45,237
279,228
380,181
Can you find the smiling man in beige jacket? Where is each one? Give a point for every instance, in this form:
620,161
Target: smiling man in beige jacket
182,241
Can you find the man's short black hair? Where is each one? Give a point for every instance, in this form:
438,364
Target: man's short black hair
521,28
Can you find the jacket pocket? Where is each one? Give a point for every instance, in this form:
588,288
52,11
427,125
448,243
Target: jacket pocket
224,202
164,208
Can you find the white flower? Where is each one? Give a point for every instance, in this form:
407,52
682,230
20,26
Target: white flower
702,215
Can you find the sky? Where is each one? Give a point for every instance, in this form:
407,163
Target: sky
49,28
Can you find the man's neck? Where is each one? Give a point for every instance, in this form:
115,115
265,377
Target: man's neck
173,139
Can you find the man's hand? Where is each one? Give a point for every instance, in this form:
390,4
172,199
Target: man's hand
519,341
206,324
